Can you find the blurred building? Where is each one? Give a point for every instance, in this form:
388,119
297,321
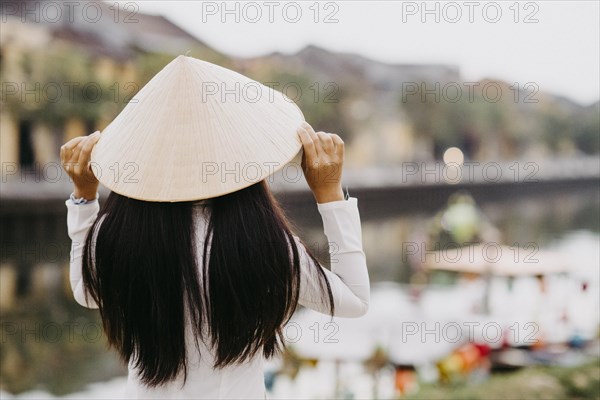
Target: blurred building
107,38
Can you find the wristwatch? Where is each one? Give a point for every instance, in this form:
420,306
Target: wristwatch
81,200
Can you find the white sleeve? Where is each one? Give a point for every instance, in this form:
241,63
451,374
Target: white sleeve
79,221
349,277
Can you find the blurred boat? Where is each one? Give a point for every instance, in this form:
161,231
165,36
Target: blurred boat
495,259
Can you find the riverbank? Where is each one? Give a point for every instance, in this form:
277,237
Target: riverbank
547,383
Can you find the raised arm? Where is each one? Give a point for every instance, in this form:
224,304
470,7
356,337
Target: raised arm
322,163
80,218
349,277
75,159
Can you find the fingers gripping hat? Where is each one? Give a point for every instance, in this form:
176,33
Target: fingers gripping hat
196,131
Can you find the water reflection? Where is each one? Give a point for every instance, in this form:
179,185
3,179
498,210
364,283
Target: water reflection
540,220
50,343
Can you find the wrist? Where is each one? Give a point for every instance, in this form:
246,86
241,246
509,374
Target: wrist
326,196
86,193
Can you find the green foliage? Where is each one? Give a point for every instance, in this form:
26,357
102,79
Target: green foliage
58,86
557,125
65,84
482,121
322,103
586,131
148,64
86,96
547,383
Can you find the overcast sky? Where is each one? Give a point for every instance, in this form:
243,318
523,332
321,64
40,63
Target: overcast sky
557,48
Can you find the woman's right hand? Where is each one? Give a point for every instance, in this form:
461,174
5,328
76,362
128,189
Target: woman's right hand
75,158
322,162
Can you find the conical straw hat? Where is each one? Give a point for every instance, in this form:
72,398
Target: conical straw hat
196,131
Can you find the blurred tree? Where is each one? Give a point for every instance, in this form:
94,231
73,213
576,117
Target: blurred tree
58,86
436,118
505,127
557,126
586,130
322,103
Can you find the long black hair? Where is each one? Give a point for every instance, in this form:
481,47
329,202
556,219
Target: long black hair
141,268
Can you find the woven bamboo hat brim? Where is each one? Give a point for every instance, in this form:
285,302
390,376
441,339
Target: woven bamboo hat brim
196,131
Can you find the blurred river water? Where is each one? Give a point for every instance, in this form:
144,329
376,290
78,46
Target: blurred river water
49,344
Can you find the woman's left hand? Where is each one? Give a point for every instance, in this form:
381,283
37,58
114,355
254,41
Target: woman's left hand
75,158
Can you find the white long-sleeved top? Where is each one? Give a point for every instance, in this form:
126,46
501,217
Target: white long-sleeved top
349,280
